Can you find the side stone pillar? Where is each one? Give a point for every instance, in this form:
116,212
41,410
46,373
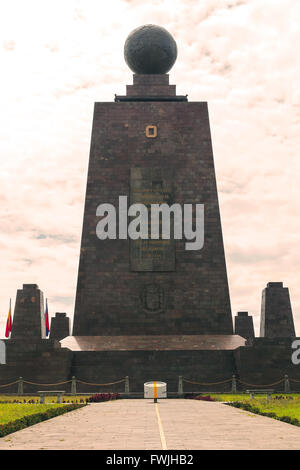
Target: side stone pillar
73,385
287,387
126,384
20,386
276,312
233,384
29,314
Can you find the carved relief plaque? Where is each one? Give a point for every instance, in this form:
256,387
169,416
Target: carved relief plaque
151,186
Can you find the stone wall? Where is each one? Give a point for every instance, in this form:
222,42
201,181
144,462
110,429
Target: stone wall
266,361
43,362
143,366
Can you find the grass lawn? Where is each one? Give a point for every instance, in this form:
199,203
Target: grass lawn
12,411
288,405
17,416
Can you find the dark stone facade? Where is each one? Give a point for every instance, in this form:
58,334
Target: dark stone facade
265,362
144,366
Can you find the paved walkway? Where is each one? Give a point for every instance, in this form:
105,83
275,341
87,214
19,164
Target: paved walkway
172,424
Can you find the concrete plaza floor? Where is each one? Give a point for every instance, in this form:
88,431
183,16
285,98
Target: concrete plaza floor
171,424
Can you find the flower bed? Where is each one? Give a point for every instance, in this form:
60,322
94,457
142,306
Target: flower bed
99,397
199,397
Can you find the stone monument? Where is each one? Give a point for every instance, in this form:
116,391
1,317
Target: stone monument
148,307
152,146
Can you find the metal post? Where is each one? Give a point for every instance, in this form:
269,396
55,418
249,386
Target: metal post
20,386
126,384
73,385
180,385
233,384
287,387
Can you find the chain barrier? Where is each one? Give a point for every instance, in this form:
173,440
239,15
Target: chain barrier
124,379
7,385
265,385
204,383
100,385
238,380
48,385
63,383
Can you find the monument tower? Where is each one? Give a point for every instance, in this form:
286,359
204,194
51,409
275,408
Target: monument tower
152,146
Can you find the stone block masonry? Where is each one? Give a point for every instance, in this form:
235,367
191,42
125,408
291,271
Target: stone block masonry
113,297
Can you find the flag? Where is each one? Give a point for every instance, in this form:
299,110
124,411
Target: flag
9,322
47,319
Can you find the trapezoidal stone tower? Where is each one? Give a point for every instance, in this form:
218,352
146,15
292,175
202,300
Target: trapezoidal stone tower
154,147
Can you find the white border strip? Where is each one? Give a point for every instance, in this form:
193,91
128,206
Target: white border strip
161,430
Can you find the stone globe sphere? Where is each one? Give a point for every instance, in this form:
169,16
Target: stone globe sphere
150,49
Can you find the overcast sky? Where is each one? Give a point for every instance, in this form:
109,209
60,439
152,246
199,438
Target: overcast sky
59,57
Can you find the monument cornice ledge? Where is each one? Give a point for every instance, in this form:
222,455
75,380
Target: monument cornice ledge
153,342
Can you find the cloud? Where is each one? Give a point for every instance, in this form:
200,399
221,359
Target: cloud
63,300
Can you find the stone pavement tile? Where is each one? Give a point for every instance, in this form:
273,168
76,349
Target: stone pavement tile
132,424
206,425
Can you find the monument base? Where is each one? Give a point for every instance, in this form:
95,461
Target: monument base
105,359
206,363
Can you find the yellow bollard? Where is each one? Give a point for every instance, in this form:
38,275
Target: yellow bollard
155,392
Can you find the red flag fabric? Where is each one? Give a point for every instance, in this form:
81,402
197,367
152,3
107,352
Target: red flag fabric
8,322
47,319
